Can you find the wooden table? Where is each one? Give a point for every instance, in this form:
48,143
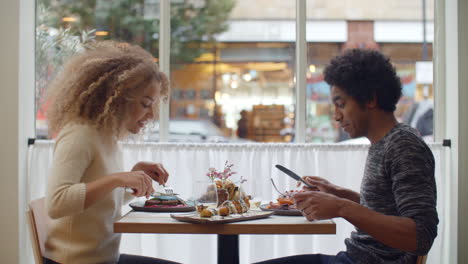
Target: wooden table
228,234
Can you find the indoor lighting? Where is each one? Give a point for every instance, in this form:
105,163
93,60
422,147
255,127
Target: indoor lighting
312,68
234,84
102,33
217,96
247,77
226,77
69,19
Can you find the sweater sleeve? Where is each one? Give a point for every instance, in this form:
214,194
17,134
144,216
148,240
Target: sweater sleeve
128,197
413,184
66,192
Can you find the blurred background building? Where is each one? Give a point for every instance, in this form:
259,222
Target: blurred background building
233,56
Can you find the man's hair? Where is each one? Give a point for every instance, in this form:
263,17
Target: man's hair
363,75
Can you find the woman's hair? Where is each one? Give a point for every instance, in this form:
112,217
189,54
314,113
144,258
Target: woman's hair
365,75
97,86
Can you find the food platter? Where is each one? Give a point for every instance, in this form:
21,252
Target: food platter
140,206
278,211
196,219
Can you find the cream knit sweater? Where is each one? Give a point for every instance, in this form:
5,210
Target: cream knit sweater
76,235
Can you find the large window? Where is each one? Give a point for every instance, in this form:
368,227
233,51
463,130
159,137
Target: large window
403,31
65,27
233,62
233,73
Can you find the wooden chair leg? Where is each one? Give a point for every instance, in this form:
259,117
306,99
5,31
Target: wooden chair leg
421,259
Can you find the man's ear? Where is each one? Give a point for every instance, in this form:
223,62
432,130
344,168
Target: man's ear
372,103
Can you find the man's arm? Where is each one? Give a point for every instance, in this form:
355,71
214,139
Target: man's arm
348,194
393,231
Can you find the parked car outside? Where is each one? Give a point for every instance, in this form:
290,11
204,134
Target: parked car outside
188,130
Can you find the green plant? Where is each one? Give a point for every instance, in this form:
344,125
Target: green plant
53,47
193,22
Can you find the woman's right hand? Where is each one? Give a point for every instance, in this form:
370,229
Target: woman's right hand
321,184
138,181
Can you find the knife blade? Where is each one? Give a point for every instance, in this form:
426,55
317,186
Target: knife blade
293,175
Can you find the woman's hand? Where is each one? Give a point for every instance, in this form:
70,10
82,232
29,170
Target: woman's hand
138,181
155,170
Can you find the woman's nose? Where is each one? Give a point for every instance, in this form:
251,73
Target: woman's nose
151,112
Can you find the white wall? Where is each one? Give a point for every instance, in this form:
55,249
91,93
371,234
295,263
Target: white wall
17,122
462,130
451,59
9,151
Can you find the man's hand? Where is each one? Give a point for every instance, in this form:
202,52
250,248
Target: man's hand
321,184
318,205
155,170
327,187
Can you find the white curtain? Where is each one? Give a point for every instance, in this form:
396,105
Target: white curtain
188,163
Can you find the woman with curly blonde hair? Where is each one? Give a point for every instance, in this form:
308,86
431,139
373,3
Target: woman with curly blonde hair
102,95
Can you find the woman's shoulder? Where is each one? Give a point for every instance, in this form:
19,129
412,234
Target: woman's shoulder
78,132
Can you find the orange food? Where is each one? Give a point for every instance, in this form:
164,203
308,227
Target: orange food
285,200
224,211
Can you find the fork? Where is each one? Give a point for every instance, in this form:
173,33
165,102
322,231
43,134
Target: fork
168,190
274,186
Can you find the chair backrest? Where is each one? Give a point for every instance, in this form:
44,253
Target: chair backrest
421,259
37,222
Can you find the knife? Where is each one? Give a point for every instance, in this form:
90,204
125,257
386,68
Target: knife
293,175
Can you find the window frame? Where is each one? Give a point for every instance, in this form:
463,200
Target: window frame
300,73
439,61
301,69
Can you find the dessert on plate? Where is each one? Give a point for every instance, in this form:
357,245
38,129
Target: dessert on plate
230,199
227,208
165,201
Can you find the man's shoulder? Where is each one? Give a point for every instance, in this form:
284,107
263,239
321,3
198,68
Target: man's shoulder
405,140
403,135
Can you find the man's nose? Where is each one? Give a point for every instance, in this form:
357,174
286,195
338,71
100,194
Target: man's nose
337,115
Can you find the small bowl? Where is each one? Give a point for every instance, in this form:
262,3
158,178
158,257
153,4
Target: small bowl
255,203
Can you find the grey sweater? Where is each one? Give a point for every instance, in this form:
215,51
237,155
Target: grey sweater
398,180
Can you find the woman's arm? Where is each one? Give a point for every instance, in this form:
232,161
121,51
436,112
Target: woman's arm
67,194
140,182
74,152
97,189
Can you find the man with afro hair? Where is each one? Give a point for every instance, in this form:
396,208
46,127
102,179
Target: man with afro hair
395,211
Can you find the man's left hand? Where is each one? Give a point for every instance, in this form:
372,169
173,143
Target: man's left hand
155,170
318,205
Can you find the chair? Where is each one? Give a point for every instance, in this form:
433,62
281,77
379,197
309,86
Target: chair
37,219
421,259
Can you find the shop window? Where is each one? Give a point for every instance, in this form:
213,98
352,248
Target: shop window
232,62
